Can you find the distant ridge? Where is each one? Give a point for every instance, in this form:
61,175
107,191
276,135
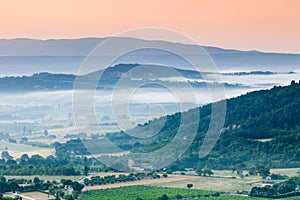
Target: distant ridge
82,46
28,56
45,81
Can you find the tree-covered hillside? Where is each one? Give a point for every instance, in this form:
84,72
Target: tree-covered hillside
261,128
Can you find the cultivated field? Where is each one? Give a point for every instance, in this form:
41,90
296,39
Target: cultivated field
32,196
222,184
153,193
286,171
212,183
133,183
224,180
17,150
143,192
36,196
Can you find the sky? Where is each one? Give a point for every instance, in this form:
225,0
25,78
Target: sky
265,25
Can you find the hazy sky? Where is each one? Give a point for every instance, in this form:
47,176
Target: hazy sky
267,25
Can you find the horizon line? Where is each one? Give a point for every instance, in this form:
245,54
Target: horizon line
153,40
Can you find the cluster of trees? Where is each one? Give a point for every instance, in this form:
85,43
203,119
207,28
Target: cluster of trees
283,189
78,146
51,165
51,187
13,185
76,186
7,186
97,180
204,172
39,81
62,164
51,171
35,165
5,198
278,177
79,135
261,170
71,147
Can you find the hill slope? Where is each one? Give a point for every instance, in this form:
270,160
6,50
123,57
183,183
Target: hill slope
261,127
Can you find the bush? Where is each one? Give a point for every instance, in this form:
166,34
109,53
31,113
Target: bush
163,197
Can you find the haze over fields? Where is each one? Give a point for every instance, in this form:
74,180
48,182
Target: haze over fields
149,100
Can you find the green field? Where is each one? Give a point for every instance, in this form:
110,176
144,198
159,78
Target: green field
153,193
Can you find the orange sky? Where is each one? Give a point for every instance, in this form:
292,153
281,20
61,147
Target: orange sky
267,25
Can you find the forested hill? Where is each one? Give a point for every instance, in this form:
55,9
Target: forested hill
262,127
48,82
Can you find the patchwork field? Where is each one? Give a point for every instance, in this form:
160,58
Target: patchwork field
222,181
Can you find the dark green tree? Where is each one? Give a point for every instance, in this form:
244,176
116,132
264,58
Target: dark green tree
189,186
